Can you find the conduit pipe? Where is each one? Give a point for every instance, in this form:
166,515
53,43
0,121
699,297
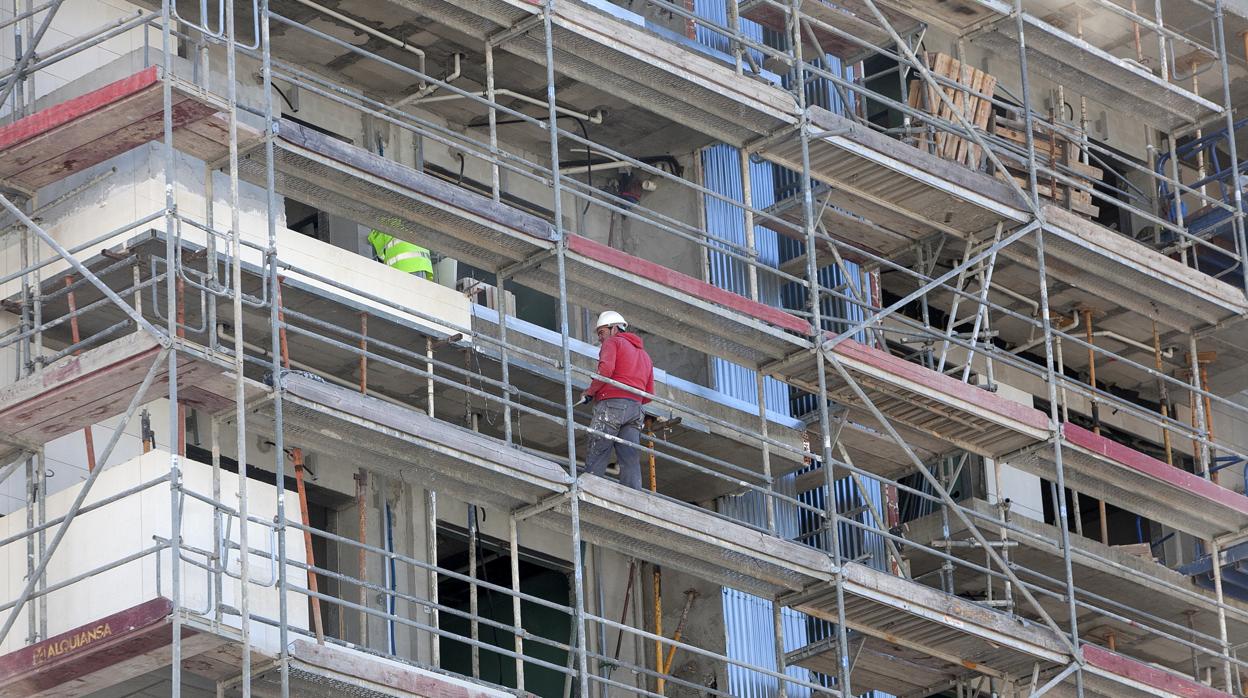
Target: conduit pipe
426,90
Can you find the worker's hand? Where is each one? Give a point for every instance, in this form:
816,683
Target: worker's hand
585,400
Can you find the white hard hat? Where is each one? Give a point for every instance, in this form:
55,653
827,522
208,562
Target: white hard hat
610,317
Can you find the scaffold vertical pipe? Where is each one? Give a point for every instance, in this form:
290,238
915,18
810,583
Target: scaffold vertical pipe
565,349
747,201
504,353
32,629
41,500
431,554
761,385
240,426
1215,564
844,684
279,447
1050,368
513,540
1237,219
474,592
1200,420
495,184
175,480
218,549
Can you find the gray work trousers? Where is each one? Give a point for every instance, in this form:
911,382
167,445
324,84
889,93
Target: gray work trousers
619,417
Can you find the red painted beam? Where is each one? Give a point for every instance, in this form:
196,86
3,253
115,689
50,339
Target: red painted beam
1148,675
652,271
87,649
943,384
936,382
1133,459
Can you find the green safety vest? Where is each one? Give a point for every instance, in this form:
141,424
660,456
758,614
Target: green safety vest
402,255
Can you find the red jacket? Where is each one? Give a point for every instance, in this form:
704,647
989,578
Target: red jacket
622,358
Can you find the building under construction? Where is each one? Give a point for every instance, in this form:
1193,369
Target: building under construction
946,300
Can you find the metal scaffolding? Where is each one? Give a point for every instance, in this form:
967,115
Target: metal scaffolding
951,278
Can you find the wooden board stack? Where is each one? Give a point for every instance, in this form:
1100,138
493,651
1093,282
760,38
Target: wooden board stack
976,109
1055,152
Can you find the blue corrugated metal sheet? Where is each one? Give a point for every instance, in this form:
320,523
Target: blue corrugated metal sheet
747,618
722,174
750,634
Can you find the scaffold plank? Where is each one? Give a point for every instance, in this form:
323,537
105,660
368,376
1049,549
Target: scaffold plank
862,227
409,445
877,665
921,194
677,535
1147,594
1089,70
1109,265
955,16
851,17
100,654
611,49
955,630
78,391
917,397
1120,475
351,182
84,131
331,671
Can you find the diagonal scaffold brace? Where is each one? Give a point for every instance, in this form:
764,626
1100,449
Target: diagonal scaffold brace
948,500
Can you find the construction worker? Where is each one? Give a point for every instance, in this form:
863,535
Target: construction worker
617,412
401,255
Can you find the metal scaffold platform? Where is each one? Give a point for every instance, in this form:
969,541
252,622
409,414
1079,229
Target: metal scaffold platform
918,194
1100,75
912,192
711,319
851,17
128,653
624,59
1123,594
75,134
1105,469
943,407
352,182
1065,57
950,632
80,390
393,434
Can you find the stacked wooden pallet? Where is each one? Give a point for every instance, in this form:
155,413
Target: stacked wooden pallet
1055,152
972,98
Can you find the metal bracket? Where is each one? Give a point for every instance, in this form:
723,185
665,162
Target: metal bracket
521,27
512,270
545,505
